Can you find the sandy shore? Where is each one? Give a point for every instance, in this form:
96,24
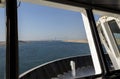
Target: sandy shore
76,41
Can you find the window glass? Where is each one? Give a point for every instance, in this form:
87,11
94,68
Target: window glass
2,43
115,28
108,31
52,35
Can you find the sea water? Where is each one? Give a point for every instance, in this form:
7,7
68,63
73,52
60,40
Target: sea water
2,61
34,53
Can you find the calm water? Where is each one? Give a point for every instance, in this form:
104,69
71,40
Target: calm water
2,61
32,54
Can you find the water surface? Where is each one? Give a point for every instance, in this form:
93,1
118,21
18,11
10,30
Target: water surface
35,53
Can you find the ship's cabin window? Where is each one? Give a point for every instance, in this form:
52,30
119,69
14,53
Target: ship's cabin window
59,43
115,29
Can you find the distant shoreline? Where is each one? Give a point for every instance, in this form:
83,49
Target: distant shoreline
72,41
2,43
76,41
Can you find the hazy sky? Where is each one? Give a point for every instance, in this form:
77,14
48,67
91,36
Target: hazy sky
38,22
2,24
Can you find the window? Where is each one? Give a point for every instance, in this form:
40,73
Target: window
63,66
2,43
115,30
108,29
50,39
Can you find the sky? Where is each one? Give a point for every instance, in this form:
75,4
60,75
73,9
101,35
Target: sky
2,24
36,22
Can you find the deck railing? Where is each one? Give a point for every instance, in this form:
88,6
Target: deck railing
52,69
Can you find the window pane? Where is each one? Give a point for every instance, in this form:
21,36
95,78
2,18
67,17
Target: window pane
115,28
2,43
53,40
108,29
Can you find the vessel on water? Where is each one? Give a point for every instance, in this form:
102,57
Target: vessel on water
101,34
